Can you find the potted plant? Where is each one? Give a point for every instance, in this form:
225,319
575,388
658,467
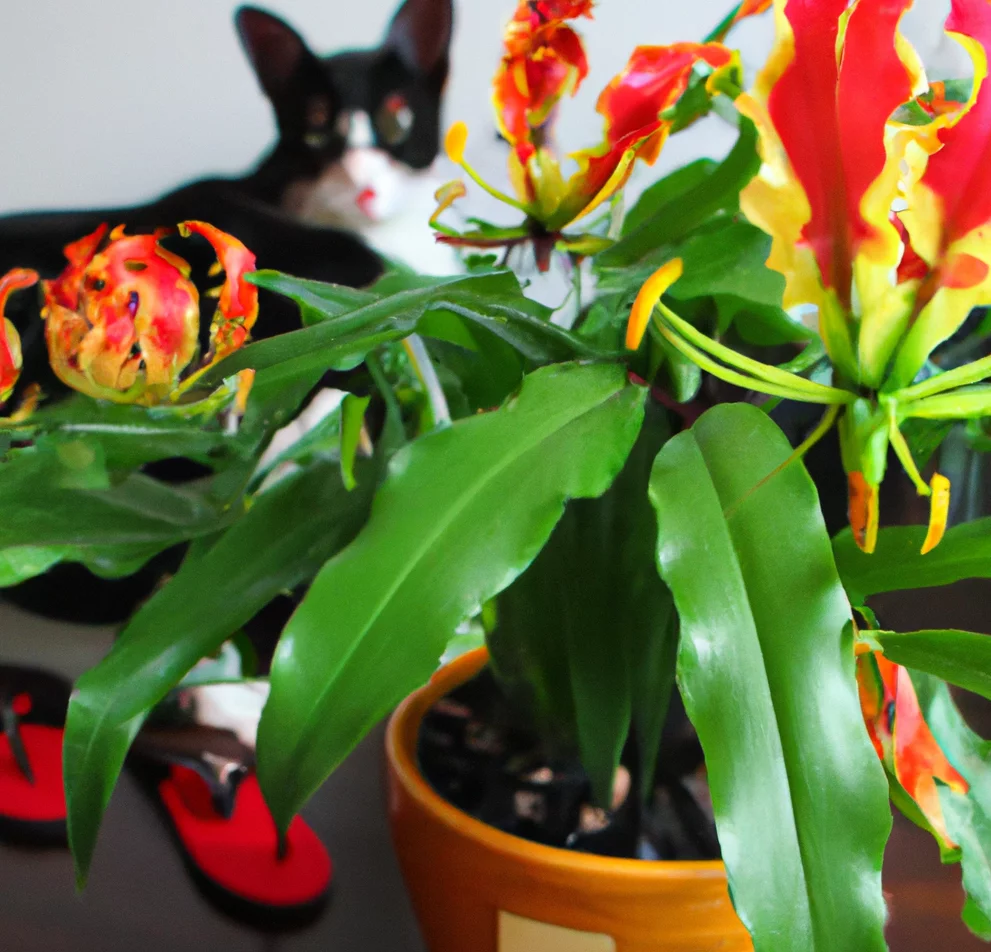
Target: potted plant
567,493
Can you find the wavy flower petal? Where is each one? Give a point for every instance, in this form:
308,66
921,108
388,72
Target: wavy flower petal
237,310
949,204
10,342
903,740
134,326
544,61
654,79
864,511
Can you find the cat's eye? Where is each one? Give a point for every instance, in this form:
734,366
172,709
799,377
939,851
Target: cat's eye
318,116
394,120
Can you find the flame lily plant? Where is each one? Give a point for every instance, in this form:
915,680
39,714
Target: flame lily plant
544,61
571,486
877,223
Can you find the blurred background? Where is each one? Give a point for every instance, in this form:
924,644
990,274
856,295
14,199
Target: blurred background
118,101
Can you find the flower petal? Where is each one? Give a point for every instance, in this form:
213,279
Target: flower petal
544,60
864,511
237,310
653,81
652,291
959,174
135,322
10,342
903,740
831,116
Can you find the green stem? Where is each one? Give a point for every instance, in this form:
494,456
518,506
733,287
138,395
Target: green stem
724,25
902,450
812,392
970,373
731,376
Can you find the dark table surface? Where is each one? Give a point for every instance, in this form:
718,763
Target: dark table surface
140,896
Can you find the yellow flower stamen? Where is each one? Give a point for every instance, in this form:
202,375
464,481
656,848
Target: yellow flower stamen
938,511
454,145
653,290
455,142
446,196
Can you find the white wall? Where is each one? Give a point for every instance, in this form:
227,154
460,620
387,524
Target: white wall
113,101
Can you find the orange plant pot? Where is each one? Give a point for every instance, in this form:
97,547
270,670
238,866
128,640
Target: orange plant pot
477,889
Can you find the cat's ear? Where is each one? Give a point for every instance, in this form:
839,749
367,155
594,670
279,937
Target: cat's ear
276,51
421,34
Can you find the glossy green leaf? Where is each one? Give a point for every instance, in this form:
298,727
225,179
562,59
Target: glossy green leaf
687,208
139,511
585,637
493,300
463,512
962,658
279,543
897,564
766,670
968,817
670,189
24,562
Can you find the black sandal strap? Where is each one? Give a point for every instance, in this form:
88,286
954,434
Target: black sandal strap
11,723
216,755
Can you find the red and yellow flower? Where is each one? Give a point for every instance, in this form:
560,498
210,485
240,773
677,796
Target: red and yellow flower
544,61
10,341
904,742
123,319
881,225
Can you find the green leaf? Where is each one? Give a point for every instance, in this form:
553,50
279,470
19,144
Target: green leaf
897,564
23,562
766,670
139,511
463,512
279,543
132,436
962,658
688,208
968,817
970,828
670,189
583,635
494,300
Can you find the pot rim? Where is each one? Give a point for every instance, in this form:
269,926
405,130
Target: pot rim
401,737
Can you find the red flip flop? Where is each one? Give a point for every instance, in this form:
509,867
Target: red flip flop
203,780
33,706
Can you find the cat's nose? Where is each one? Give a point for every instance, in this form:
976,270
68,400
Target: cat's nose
366,202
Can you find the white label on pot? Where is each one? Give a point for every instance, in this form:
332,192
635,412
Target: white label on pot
524,935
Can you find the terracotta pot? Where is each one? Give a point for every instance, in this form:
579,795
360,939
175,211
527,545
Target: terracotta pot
477,889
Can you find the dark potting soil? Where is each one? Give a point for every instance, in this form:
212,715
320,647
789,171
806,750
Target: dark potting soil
473,753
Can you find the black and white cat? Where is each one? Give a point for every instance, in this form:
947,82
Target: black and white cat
359,131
